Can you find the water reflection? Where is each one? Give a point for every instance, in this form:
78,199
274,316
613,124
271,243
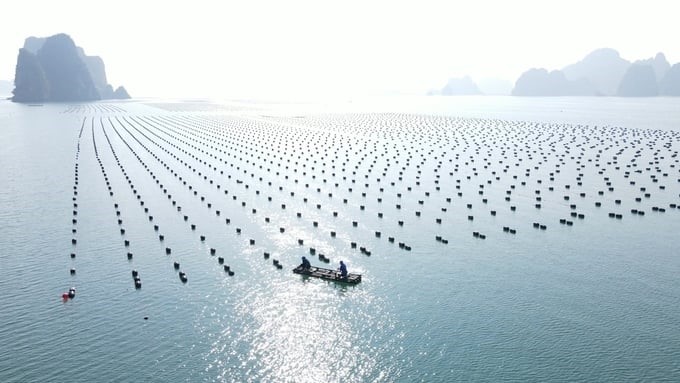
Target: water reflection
305,330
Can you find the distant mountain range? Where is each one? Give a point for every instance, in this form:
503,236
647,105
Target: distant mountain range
601,73
55,69
466,86
604,73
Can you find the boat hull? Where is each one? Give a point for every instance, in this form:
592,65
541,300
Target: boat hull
328,274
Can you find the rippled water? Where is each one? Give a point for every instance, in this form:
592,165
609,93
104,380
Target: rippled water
589,298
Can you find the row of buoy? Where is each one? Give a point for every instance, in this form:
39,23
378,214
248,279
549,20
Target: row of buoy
193,227
137,279
363,194
266,219
71,293
277,264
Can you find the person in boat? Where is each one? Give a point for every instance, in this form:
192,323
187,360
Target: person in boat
343,270
305,264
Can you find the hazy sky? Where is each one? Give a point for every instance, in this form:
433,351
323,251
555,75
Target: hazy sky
278,48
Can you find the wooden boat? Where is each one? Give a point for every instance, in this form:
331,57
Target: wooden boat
328,274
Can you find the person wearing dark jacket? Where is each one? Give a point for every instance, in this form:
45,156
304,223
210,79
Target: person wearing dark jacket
343,270
305,264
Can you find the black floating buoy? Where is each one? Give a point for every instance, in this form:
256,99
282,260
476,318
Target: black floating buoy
220,260
176,265
212,251
168,250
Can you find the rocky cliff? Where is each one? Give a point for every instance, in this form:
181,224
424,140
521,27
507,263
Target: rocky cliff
670,84
540,82
639,81
603,68
603,73
55,69
460,86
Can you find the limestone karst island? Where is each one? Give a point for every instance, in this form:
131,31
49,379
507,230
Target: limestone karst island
54,69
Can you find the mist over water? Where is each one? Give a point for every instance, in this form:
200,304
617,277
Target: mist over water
588,297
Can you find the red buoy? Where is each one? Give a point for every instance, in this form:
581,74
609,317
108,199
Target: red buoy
64,296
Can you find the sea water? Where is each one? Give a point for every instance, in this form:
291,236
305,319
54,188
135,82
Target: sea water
584,296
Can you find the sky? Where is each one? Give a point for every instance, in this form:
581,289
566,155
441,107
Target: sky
289,49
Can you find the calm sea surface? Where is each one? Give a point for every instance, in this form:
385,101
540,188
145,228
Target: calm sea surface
510,239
